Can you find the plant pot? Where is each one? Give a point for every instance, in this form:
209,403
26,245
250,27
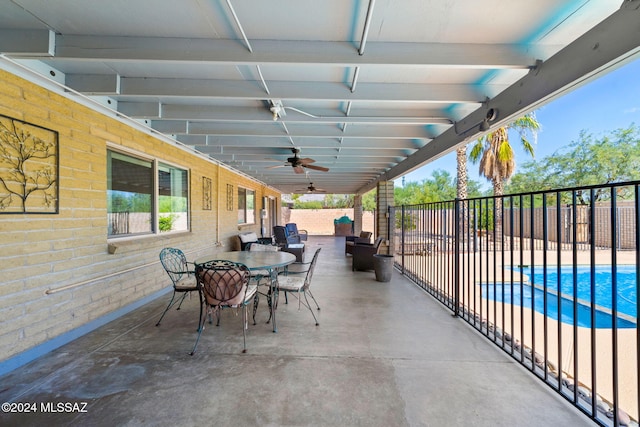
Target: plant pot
383,266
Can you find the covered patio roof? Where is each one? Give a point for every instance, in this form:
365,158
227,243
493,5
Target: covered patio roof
369,90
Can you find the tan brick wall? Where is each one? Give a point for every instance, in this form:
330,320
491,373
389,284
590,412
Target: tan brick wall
320,221
69,252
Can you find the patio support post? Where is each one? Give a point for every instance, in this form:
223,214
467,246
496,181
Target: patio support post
357,214
383,202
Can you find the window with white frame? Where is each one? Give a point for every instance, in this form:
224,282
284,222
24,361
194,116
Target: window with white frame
246,206
145,196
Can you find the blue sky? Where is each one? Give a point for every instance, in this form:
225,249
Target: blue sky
605,104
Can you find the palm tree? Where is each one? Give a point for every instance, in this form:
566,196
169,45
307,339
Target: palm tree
461,192
497,159
461,169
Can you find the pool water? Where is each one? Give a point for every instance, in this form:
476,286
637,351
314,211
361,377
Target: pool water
626,294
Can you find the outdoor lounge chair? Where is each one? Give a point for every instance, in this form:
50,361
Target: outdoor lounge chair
364,237
287,243
363,254
292,230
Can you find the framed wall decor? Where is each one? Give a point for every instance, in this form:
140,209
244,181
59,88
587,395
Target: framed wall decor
206,193
29,167
229,197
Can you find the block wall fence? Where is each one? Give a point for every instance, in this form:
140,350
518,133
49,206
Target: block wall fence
319,222
60,274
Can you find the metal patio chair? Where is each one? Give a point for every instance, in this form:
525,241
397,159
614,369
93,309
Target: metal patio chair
224,284
299,282
182,275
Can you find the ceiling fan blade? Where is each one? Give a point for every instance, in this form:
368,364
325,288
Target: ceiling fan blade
306,160
276,166
298,169
317,168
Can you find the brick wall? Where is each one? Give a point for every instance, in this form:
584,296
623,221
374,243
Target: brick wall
60,272
320,221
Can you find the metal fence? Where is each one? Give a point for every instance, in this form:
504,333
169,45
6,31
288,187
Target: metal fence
550,277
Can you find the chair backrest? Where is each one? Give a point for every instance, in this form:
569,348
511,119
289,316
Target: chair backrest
307,280
223,282
292,229
365,234
282,237
174,263
378,241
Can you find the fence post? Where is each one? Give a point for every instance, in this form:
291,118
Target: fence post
456,258
402,235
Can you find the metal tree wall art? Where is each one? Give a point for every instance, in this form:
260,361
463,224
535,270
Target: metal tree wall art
28,168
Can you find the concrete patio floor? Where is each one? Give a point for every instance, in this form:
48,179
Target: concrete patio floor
384,354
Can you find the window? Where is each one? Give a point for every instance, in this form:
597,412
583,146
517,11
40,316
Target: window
172,198
246,206
139,204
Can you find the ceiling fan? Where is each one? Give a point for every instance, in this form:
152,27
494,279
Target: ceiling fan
311,189
299,164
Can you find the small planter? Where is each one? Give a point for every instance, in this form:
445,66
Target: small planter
383,266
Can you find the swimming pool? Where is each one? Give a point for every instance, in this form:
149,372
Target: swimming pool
626,294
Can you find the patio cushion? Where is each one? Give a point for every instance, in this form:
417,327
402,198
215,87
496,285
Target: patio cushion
257,247
248,237
187,282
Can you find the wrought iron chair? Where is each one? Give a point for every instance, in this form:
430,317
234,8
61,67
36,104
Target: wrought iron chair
182,276
299,282
224,284
261,277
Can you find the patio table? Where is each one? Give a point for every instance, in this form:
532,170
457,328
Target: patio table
269,261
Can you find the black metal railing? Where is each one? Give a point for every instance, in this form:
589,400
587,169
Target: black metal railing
550,277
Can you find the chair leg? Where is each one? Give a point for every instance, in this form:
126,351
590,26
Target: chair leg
244,328
256,301
313,298
200,329
269,302
184,295
167,309
309,306
201,318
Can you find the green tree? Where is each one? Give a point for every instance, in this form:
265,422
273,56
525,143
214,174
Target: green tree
440,187
338,200
369,201
615,157
309,204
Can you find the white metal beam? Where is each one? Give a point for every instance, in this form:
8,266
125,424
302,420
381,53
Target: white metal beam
250,90
609,44
136,49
